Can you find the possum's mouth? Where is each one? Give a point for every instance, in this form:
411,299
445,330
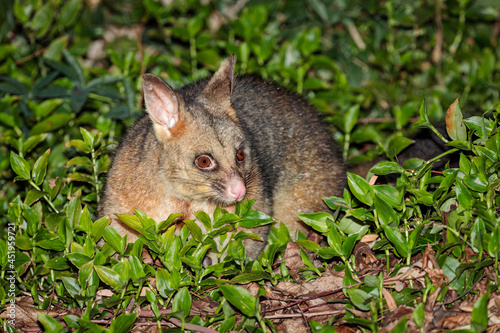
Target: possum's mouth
220,199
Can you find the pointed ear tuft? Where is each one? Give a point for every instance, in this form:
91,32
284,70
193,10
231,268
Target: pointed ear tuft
217,93
162,103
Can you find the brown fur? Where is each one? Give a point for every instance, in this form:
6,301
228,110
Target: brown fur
290,164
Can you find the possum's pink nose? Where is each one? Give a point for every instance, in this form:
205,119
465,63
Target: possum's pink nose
236,189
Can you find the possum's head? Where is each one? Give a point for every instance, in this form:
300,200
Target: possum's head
205,154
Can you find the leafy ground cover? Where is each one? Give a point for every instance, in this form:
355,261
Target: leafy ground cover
416,253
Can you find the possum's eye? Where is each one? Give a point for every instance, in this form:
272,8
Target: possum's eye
204,162
240,155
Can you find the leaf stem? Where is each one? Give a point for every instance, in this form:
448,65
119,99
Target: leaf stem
347,139
45,196
95,176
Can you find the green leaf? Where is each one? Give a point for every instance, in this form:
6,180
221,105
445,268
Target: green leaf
464,196
348,245
80,145
486,153
21,260
225,219
54,244
424,116
45,108
57,263
78,98
243,208
309,245
7,119
20,166
307,261
360,188
73,212
163,283
385,168
24,242
75,66
136,268
327,253
359,298
249,234
361,214
402,326
194,25
209,57
49,323
85,221
89,247
79,160
350,118
99,226
397,144
32,196
113,238
311,42
255,218
477,235
320,10
240,298
335,202
71,285
194,228
476,183
109,276
414,236
42,20
122,323
123,269
349,225
205,219
131,221
464,164
389,194
78,259
454,125
88,138
52,123
419,315
33,218
386,214
479,317
40,168
54,51
317,221
69,12
227,325
494,243
13,86
312,83
250,276
335,241
460,144
170,219
182,302
395,237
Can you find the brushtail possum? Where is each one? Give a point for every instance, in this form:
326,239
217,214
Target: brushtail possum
220,141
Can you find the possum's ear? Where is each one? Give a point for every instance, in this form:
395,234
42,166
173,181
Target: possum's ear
162,104
217,93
